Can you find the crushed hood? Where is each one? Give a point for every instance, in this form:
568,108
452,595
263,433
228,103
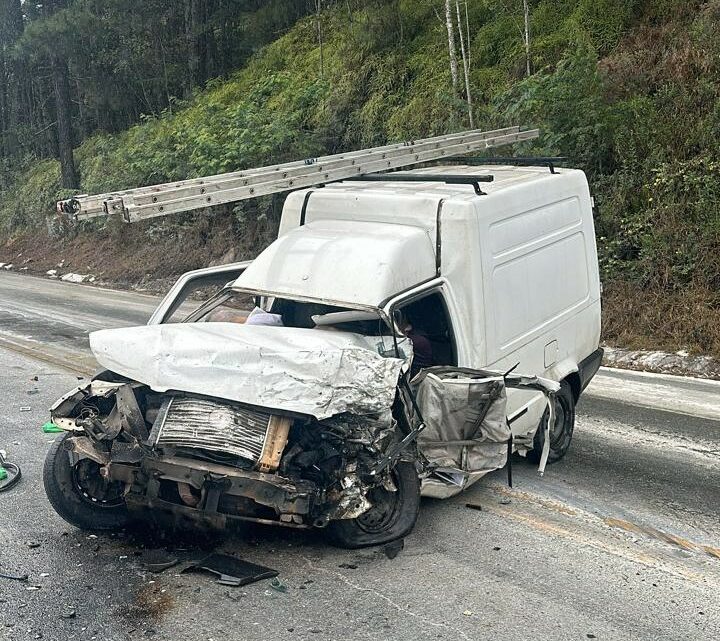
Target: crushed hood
309,371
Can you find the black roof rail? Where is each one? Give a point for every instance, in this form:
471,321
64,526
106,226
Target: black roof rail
520,161
449,179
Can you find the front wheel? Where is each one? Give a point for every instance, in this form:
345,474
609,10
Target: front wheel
79,494
561,432
392,515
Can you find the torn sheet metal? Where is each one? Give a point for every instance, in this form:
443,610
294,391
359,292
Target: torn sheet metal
309,371
466,432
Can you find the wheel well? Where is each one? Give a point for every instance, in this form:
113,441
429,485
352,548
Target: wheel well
573,380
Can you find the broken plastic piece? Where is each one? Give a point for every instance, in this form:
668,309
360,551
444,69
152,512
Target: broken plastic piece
277,585
3,474
51,428
232,571
157,561
14,577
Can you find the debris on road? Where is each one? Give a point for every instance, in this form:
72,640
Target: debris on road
474,506
14,577
26,408
10,473
157,561
277,585
231,571
394,548
68,613
50,428
348,566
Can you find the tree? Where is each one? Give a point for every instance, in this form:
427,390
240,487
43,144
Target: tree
465,59
451,46
526,13
11,26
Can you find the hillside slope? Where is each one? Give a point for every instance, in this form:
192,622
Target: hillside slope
628,91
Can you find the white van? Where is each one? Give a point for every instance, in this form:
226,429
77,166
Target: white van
435,278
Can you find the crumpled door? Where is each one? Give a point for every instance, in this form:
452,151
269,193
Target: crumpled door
466,432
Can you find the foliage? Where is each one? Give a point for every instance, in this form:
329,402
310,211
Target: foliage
627,90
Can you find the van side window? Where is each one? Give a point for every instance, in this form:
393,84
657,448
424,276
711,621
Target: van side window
429,322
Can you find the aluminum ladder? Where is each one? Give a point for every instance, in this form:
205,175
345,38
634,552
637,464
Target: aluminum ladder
198,193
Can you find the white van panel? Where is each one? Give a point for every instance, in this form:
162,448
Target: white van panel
537,273
534,226
555,281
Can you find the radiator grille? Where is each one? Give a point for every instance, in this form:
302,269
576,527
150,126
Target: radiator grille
211,425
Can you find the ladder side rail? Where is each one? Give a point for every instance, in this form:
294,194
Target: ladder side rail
92,202
323,171
136,213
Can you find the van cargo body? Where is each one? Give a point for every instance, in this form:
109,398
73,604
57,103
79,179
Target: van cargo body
516,268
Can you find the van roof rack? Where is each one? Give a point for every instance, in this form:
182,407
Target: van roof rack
448,179
520,161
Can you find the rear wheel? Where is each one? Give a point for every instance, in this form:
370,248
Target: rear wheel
79,494
561,431
392,515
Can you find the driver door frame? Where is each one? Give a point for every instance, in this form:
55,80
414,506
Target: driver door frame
173,299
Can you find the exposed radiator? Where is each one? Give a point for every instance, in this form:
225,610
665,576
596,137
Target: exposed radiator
221,427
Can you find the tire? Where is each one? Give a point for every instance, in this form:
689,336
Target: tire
100,510
390,522
561,434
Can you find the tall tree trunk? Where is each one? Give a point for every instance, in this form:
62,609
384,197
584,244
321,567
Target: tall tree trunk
318,10
451,46
196,45
466,64
11,112
526,11
63,108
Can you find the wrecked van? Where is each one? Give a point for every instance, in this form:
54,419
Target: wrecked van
378,363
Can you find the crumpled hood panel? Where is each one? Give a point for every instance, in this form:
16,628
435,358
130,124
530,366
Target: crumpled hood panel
309,371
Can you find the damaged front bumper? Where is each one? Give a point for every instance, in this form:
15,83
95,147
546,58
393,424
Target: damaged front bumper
214,461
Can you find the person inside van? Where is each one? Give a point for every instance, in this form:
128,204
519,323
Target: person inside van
422,347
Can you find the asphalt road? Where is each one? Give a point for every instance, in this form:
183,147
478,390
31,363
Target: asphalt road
619,540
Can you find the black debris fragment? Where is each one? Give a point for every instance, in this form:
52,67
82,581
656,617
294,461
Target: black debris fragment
394,548
157,561
348,566
231,571
14,577
474,506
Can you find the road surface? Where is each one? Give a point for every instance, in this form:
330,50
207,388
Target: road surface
619,540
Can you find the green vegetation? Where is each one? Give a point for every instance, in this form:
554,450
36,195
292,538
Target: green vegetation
627,90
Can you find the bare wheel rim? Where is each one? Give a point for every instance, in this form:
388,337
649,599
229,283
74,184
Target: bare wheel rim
93,488
558,432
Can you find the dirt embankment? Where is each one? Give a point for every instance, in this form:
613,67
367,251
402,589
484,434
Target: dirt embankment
145,257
